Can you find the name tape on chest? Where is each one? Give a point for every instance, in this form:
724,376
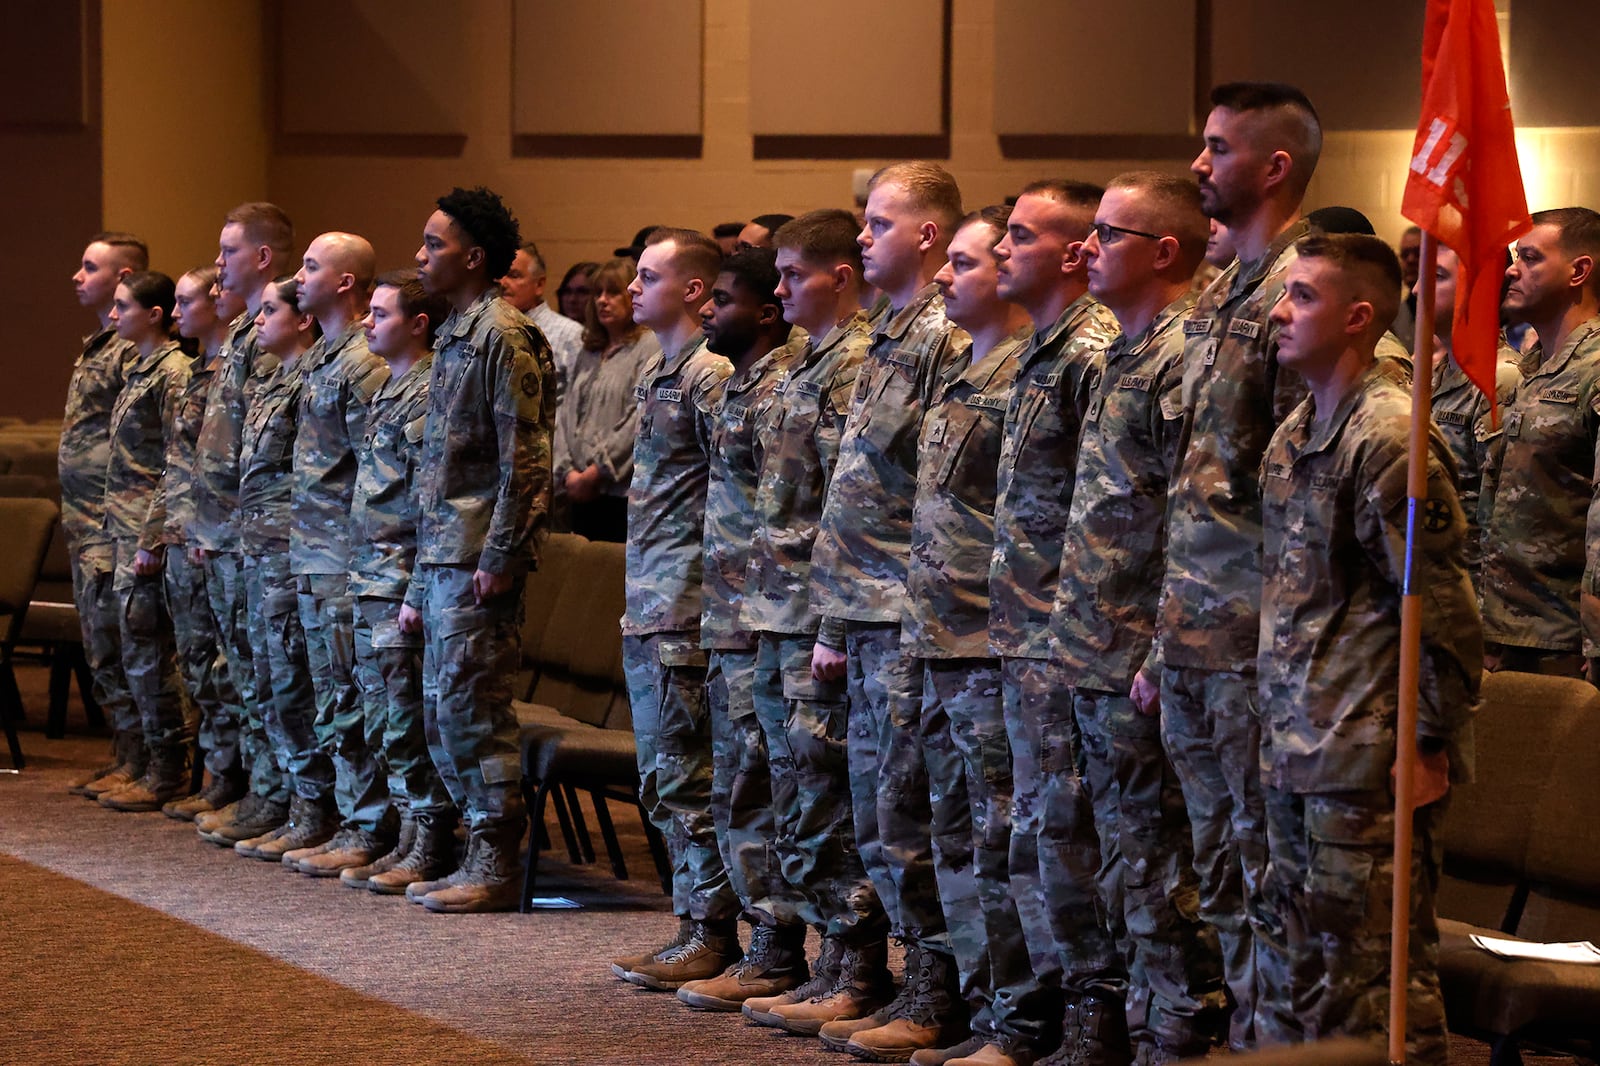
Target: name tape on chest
1140,382
1555,395
1244,327
1048,381
988,403
669,395
1195,326
1450,418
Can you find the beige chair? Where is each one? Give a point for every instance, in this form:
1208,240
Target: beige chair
26,525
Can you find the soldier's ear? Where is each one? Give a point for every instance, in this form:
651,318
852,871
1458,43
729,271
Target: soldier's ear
418,325
1582,270
1360,317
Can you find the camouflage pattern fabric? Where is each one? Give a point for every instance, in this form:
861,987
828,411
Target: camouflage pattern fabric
201,664
383,509
327,617
149,663
228,590
389,672
85,448
215,525
100,619
1462,414
284,696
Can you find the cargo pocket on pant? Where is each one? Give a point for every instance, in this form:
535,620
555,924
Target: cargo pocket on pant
1344,841
684,719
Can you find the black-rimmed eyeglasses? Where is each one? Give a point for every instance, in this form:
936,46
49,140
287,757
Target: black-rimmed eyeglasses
1104,230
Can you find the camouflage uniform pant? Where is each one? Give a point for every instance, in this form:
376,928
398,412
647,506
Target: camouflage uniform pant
741,790
666,675
283,676
1147,879
201,663
1055,852
1211,729
327,615
149,661
388,671
806,723
471,653
968,760
227,586
1329,885
889,782
99,617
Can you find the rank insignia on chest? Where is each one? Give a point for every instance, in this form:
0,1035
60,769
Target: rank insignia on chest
1208,356
670,395
1093,414
936,431
1246,328
735,413
641,393
1278,470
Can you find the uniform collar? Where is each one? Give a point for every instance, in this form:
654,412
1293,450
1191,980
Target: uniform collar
1321,435
1249,275
1125,345
978,375
327,349
149,362
462,323
1578,337
898,324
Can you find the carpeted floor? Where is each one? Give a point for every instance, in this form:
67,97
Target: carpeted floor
125,939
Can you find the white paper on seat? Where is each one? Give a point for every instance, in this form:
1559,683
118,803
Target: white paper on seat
1581,951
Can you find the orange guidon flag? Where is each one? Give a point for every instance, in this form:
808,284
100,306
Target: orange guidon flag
1465,184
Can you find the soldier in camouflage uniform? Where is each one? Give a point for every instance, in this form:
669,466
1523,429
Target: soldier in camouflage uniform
143,423
1148,238
1334,506
962,727
81,464
1462,413
341,377
1533,576
253,247
678,395
1233,396
743,323
804,717
858,585
400,327
284,694
200,659
1054,850
483,494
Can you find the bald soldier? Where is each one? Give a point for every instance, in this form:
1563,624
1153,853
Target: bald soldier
340,376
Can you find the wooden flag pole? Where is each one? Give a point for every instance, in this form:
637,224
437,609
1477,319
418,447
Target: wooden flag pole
1405,732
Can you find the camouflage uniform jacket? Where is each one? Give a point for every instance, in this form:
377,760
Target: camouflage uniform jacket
739,437
266,455
1462,414
802,446
677,399
858,565
1534,527
383,515
178,481
1234,393
143,423
1037,462
1114,555
484,472
216,454
340,377
86,435
1334,514
952,521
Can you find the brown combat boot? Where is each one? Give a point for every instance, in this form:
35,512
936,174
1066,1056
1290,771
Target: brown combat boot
488,878
1094,1032
119,755
348,848
135,760
431,856
311,824
713,946
972,1045
166,778
359,876
624,963
835,1035
933,1016
250,817
220,791
774,962
824,975
863,985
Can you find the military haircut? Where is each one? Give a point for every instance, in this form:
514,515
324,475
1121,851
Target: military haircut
1172,205
693,253
488,223
1081,198
1577,234
151,290
995,216
929,187
532,251
726,229
771,223
1368,264
264,224
756,271
133,252
824,238
413,299
1295,126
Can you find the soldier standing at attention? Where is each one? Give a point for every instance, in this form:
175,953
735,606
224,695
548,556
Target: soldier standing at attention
1261,147
1054,851
1334,515
483,494
1148,237
678,394
400,325
202,314
744,324
805,717
858,579
81,464
143,423
962,728
253,247
341,377
1533,578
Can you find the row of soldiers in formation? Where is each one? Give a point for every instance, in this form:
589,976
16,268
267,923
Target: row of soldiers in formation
1044,617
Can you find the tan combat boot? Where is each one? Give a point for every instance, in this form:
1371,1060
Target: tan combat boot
431,857
774,962
863,985
349,848
489,878
712,948
624,963
166,778
360,876
932,1015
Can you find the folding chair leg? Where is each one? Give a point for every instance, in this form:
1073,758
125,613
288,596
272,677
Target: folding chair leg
608,833
1505,1052
579,825
10,712
564,820
533,798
